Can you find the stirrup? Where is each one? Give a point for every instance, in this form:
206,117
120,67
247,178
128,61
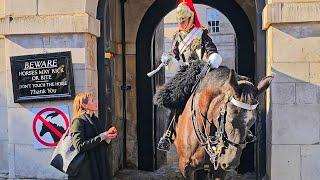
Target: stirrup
165,141
164,144
167,134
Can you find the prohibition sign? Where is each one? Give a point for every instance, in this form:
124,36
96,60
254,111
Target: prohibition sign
38,117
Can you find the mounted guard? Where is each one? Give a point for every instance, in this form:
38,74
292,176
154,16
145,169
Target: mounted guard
213,108
196,54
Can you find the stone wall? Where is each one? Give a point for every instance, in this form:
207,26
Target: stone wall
293,32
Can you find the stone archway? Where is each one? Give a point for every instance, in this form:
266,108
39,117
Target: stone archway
148,24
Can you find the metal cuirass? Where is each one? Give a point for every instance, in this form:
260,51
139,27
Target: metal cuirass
193,48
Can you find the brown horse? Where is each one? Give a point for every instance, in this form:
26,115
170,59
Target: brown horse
218,94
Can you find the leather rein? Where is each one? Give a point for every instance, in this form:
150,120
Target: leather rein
214,144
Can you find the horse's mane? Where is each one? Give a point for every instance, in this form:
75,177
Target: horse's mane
248,91
175,93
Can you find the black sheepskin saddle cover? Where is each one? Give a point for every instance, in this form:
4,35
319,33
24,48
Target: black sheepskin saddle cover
176,92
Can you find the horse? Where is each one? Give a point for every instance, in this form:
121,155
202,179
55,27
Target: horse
45,129
215,121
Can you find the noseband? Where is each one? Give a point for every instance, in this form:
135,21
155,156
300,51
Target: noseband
214,144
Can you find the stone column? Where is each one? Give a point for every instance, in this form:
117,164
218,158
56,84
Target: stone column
3,112
293,50
33,27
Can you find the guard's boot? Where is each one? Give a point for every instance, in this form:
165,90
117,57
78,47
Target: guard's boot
165,141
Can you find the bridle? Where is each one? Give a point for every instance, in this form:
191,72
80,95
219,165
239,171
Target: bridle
214,145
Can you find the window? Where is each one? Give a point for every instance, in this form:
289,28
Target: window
213,20
213,26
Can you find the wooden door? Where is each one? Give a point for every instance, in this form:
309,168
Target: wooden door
159,114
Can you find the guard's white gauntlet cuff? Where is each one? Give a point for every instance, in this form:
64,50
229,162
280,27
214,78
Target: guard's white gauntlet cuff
215,60
166,58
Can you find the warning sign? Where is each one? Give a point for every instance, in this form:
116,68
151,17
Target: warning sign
48,125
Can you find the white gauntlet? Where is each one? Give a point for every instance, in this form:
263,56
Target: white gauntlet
166,58
215,60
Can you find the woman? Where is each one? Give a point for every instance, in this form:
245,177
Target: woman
89,137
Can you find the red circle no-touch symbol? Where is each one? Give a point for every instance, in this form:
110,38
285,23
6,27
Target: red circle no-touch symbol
38,117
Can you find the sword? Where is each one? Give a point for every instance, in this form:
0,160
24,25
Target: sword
165,59
156,70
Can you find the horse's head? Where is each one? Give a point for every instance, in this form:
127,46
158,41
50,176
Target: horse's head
240,106
44,130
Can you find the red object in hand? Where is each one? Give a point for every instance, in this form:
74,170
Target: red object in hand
111,133
112,130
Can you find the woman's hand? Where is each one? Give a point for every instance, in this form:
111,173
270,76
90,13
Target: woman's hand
111,133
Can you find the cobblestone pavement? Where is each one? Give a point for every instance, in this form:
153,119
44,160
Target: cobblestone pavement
169,172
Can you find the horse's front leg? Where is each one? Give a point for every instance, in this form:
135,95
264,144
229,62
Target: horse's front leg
184,167
198,157
189,172
187,167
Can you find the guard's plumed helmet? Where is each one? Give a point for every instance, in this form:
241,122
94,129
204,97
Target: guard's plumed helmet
186,10
183,12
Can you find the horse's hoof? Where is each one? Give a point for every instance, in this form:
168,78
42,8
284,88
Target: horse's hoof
164,144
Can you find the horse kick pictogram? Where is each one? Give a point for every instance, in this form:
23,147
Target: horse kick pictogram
52,121
55,130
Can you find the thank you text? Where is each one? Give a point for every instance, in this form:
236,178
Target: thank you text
42,76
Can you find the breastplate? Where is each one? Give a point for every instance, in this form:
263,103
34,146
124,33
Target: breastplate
193,50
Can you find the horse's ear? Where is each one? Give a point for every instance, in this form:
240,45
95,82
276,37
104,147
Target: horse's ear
264,84
233,80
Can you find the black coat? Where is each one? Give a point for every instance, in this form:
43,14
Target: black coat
86,139
206,45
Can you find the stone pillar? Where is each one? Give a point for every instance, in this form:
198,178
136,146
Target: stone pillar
293,104
3,111
134,11
33,27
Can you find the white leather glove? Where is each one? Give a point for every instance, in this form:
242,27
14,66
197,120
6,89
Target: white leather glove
173,66
166,58
215,60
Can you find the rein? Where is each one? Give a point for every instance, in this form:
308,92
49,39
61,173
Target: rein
215,144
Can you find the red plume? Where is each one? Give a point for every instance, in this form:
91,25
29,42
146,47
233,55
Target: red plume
189,3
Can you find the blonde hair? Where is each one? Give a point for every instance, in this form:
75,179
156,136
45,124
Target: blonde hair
79,100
